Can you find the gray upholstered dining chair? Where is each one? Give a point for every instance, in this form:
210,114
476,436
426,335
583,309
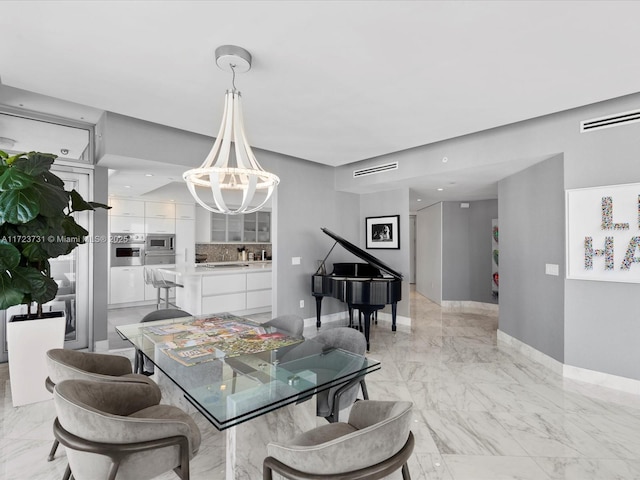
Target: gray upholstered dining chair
140,363
97,367
117,430
330,402
291,324
375,442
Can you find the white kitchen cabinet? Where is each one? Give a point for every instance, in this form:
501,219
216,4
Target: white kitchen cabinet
185,211
203,225
124,207
233,302
242,290
159,210
247,228
259,280
185,241
259,299
216,285
258,290
160,225
126,224
126,285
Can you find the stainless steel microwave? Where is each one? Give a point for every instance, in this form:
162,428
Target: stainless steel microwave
160,243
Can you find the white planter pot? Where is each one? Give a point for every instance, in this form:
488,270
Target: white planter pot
28,342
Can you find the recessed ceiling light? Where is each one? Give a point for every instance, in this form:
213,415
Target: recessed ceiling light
445,159
419,200
7,142
148,174
440,189
127,186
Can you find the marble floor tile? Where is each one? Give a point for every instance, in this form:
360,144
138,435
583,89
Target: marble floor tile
588,469
481,409
471,467
470,433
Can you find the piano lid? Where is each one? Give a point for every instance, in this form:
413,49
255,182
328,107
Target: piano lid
363,255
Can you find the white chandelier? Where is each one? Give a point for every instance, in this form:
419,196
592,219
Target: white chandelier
231,170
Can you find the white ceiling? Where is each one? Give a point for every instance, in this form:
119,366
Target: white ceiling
332,82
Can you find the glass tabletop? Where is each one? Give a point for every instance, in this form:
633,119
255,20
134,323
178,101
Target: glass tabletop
232,369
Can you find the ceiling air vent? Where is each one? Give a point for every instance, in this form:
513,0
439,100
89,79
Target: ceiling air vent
614,120
377,169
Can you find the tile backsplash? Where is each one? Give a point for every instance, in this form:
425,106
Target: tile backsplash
228,252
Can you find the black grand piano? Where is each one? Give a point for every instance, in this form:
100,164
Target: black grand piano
363,286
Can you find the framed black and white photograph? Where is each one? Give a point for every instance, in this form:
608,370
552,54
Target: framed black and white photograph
383,232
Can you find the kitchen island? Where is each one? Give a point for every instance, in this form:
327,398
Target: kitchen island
239,287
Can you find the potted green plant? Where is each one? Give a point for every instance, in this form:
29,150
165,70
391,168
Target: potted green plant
36,225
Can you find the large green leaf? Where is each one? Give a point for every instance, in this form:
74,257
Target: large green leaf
72,229
9,256
30,280
52,179
9,295
35,252
14,179
99,205
53,200
19,206
79,204
4,154
37,227
35,163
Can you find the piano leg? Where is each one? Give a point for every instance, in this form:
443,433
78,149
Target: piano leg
318,309
368,312
350,315
394,310
367,325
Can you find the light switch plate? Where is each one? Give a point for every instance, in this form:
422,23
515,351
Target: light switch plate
552,269
295,260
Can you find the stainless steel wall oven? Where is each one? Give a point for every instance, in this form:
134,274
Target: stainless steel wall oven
127,249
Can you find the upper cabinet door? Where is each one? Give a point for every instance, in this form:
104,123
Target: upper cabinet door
159,210
122,207
160,225
185,212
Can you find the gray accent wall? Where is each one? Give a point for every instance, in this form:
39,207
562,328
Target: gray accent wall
100,256
380,204
429,252
467,252
532,234
122,136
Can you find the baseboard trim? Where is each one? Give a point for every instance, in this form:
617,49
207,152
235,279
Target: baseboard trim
607,380
615,382
530,352
101,346
470,307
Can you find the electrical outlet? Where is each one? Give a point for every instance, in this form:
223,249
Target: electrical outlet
301,303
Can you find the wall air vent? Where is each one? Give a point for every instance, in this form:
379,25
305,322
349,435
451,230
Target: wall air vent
377,169
609,121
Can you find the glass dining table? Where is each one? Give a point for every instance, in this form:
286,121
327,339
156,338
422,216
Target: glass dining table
232,369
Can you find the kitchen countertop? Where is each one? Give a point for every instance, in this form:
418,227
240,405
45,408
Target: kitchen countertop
219,268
